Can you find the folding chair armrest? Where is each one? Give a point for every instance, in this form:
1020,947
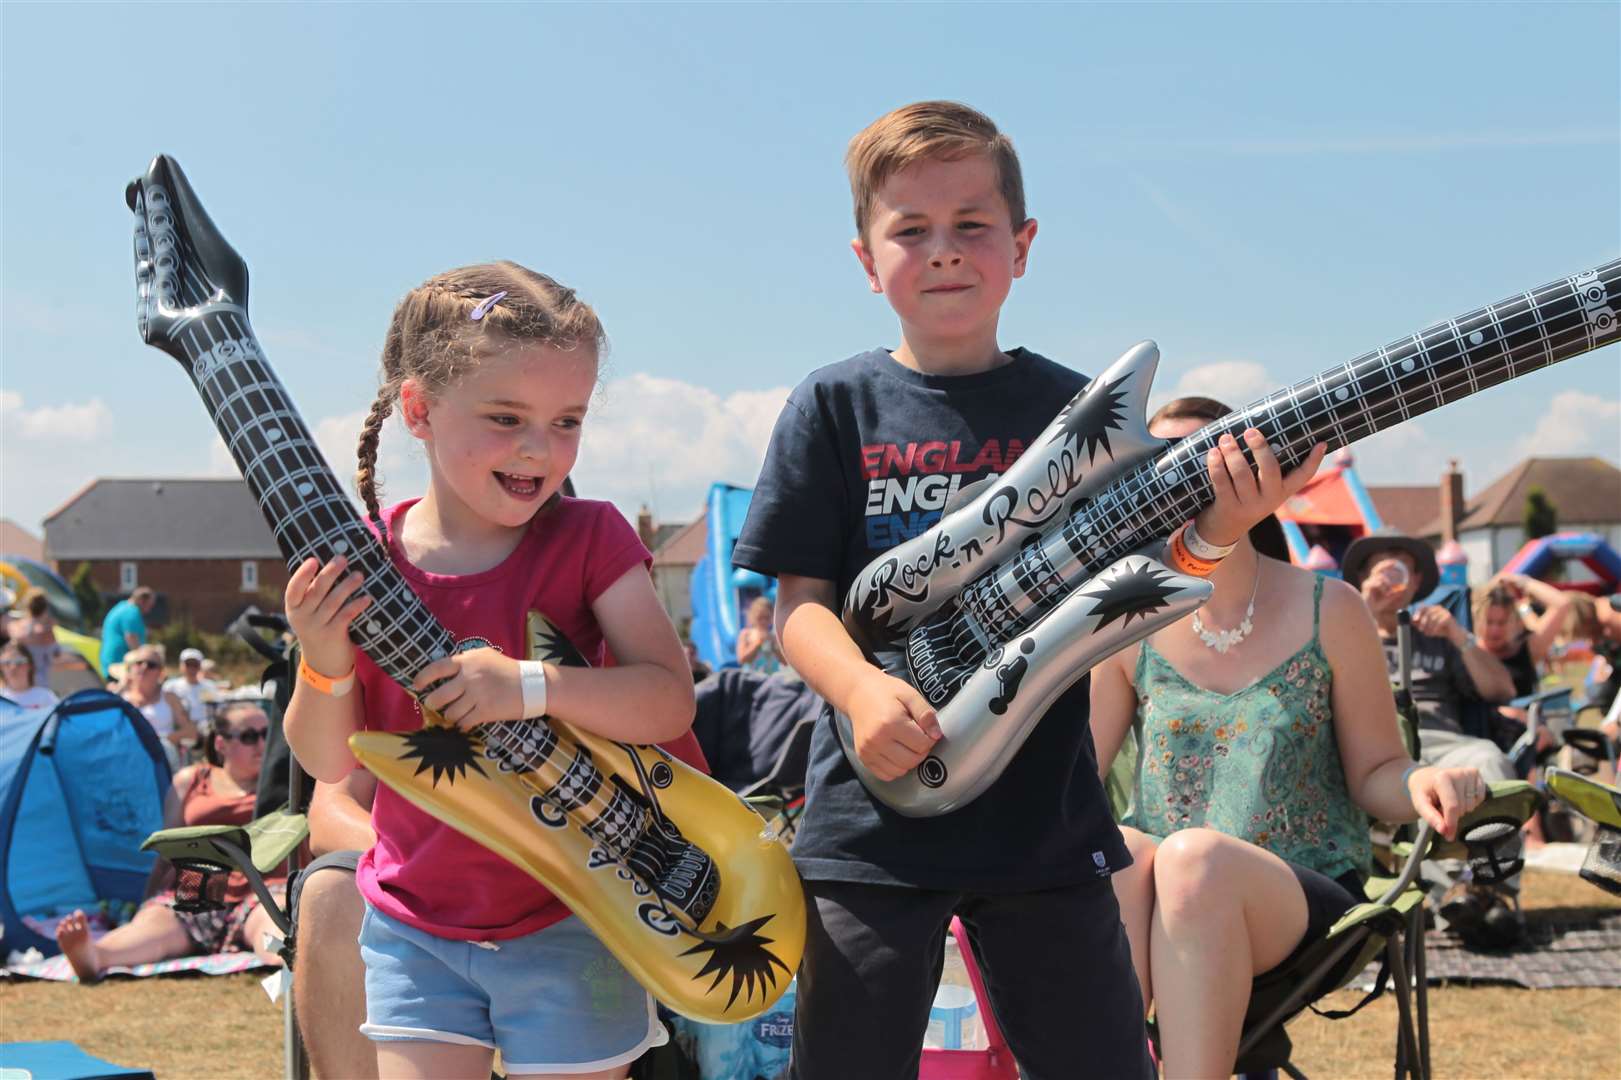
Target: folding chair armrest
1541,697
253,850
259,846
1594,800
199,842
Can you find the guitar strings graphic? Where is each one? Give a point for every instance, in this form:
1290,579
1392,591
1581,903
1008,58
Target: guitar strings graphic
1415,375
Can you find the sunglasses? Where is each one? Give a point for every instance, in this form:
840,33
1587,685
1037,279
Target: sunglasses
248,736
13,661
138,664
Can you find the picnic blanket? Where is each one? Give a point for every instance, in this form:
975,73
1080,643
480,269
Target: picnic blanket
1571,947
1582,948
58,969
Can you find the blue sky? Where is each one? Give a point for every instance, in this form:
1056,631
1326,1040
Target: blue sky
1266,190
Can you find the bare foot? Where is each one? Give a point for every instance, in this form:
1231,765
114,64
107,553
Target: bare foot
73,936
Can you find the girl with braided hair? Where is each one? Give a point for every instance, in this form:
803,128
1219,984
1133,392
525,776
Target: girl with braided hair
492,367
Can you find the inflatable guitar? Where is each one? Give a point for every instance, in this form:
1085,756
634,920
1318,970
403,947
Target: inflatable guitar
673,872
1030,579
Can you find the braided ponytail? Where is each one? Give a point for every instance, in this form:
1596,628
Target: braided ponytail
370,433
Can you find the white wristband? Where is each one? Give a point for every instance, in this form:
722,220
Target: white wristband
1200,548
532,676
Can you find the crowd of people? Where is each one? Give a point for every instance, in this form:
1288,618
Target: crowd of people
1267,734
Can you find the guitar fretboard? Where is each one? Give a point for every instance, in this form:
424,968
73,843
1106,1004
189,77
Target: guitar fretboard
1377,390
298,493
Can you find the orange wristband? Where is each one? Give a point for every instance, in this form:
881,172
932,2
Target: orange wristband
1184,561
331,687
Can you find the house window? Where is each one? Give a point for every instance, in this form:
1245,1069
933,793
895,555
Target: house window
126,577
250,575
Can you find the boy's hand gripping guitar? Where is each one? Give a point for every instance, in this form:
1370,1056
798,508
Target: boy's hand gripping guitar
1029,580
673,872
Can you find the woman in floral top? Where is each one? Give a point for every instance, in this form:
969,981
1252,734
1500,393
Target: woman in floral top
1267,734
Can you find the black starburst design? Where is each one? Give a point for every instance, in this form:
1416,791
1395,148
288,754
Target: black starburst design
1135,592
447,751
1089,420
546,642
742,954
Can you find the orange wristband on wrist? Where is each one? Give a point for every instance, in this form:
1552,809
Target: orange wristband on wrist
1184,561
331,687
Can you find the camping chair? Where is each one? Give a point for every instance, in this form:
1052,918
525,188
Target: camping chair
204,856
1600,803
1390,925
779,796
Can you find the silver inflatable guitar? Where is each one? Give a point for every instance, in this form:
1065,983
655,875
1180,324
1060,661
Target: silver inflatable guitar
1028,581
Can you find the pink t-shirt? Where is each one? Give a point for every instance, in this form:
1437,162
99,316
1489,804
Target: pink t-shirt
424,872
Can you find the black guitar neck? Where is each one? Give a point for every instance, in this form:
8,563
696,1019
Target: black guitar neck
1377,390
301,499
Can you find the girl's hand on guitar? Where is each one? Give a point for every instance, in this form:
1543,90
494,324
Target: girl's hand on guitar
321,602
894,726
480,686
1243,495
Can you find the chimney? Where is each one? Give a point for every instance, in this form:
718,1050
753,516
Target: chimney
1452,505
644,527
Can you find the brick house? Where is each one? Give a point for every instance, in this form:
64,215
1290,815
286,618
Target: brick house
201,544
1585,491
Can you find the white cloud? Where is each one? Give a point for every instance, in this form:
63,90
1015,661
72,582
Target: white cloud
1407,454
1232,382
49,452
78,423
1575,424
663,442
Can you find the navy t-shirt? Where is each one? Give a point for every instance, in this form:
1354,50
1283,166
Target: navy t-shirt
864,456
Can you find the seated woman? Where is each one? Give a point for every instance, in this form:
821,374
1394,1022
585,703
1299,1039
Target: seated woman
1510,629
220,791
17,673
142,687
1266,734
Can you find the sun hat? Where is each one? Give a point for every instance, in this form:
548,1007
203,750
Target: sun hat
1360,555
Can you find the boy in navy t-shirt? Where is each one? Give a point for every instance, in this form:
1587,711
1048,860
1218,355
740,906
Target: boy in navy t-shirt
865,455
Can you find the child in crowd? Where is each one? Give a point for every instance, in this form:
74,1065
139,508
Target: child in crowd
492,368
757,641
942,232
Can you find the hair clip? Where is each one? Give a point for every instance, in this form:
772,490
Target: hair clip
484,306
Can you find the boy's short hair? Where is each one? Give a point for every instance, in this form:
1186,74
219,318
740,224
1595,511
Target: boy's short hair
928,131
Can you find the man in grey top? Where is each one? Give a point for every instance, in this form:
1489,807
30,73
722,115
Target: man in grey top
1448,669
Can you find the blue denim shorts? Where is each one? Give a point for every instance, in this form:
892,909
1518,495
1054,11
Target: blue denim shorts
552,1001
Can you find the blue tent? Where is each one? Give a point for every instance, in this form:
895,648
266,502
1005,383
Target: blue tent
81,786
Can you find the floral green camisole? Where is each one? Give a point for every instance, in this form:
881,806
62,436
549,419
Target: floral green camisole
1262,764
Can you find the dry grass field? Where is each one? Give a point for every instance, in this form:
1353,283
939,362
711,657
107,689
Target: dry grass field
225,1027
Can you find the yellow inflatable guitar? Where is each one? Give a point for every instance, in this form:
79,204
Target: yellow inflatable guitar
596,821
674,873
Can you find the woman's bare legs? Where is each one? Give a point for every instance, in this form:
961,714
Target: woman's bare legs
153,934
1134,892
1224,911
258,924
